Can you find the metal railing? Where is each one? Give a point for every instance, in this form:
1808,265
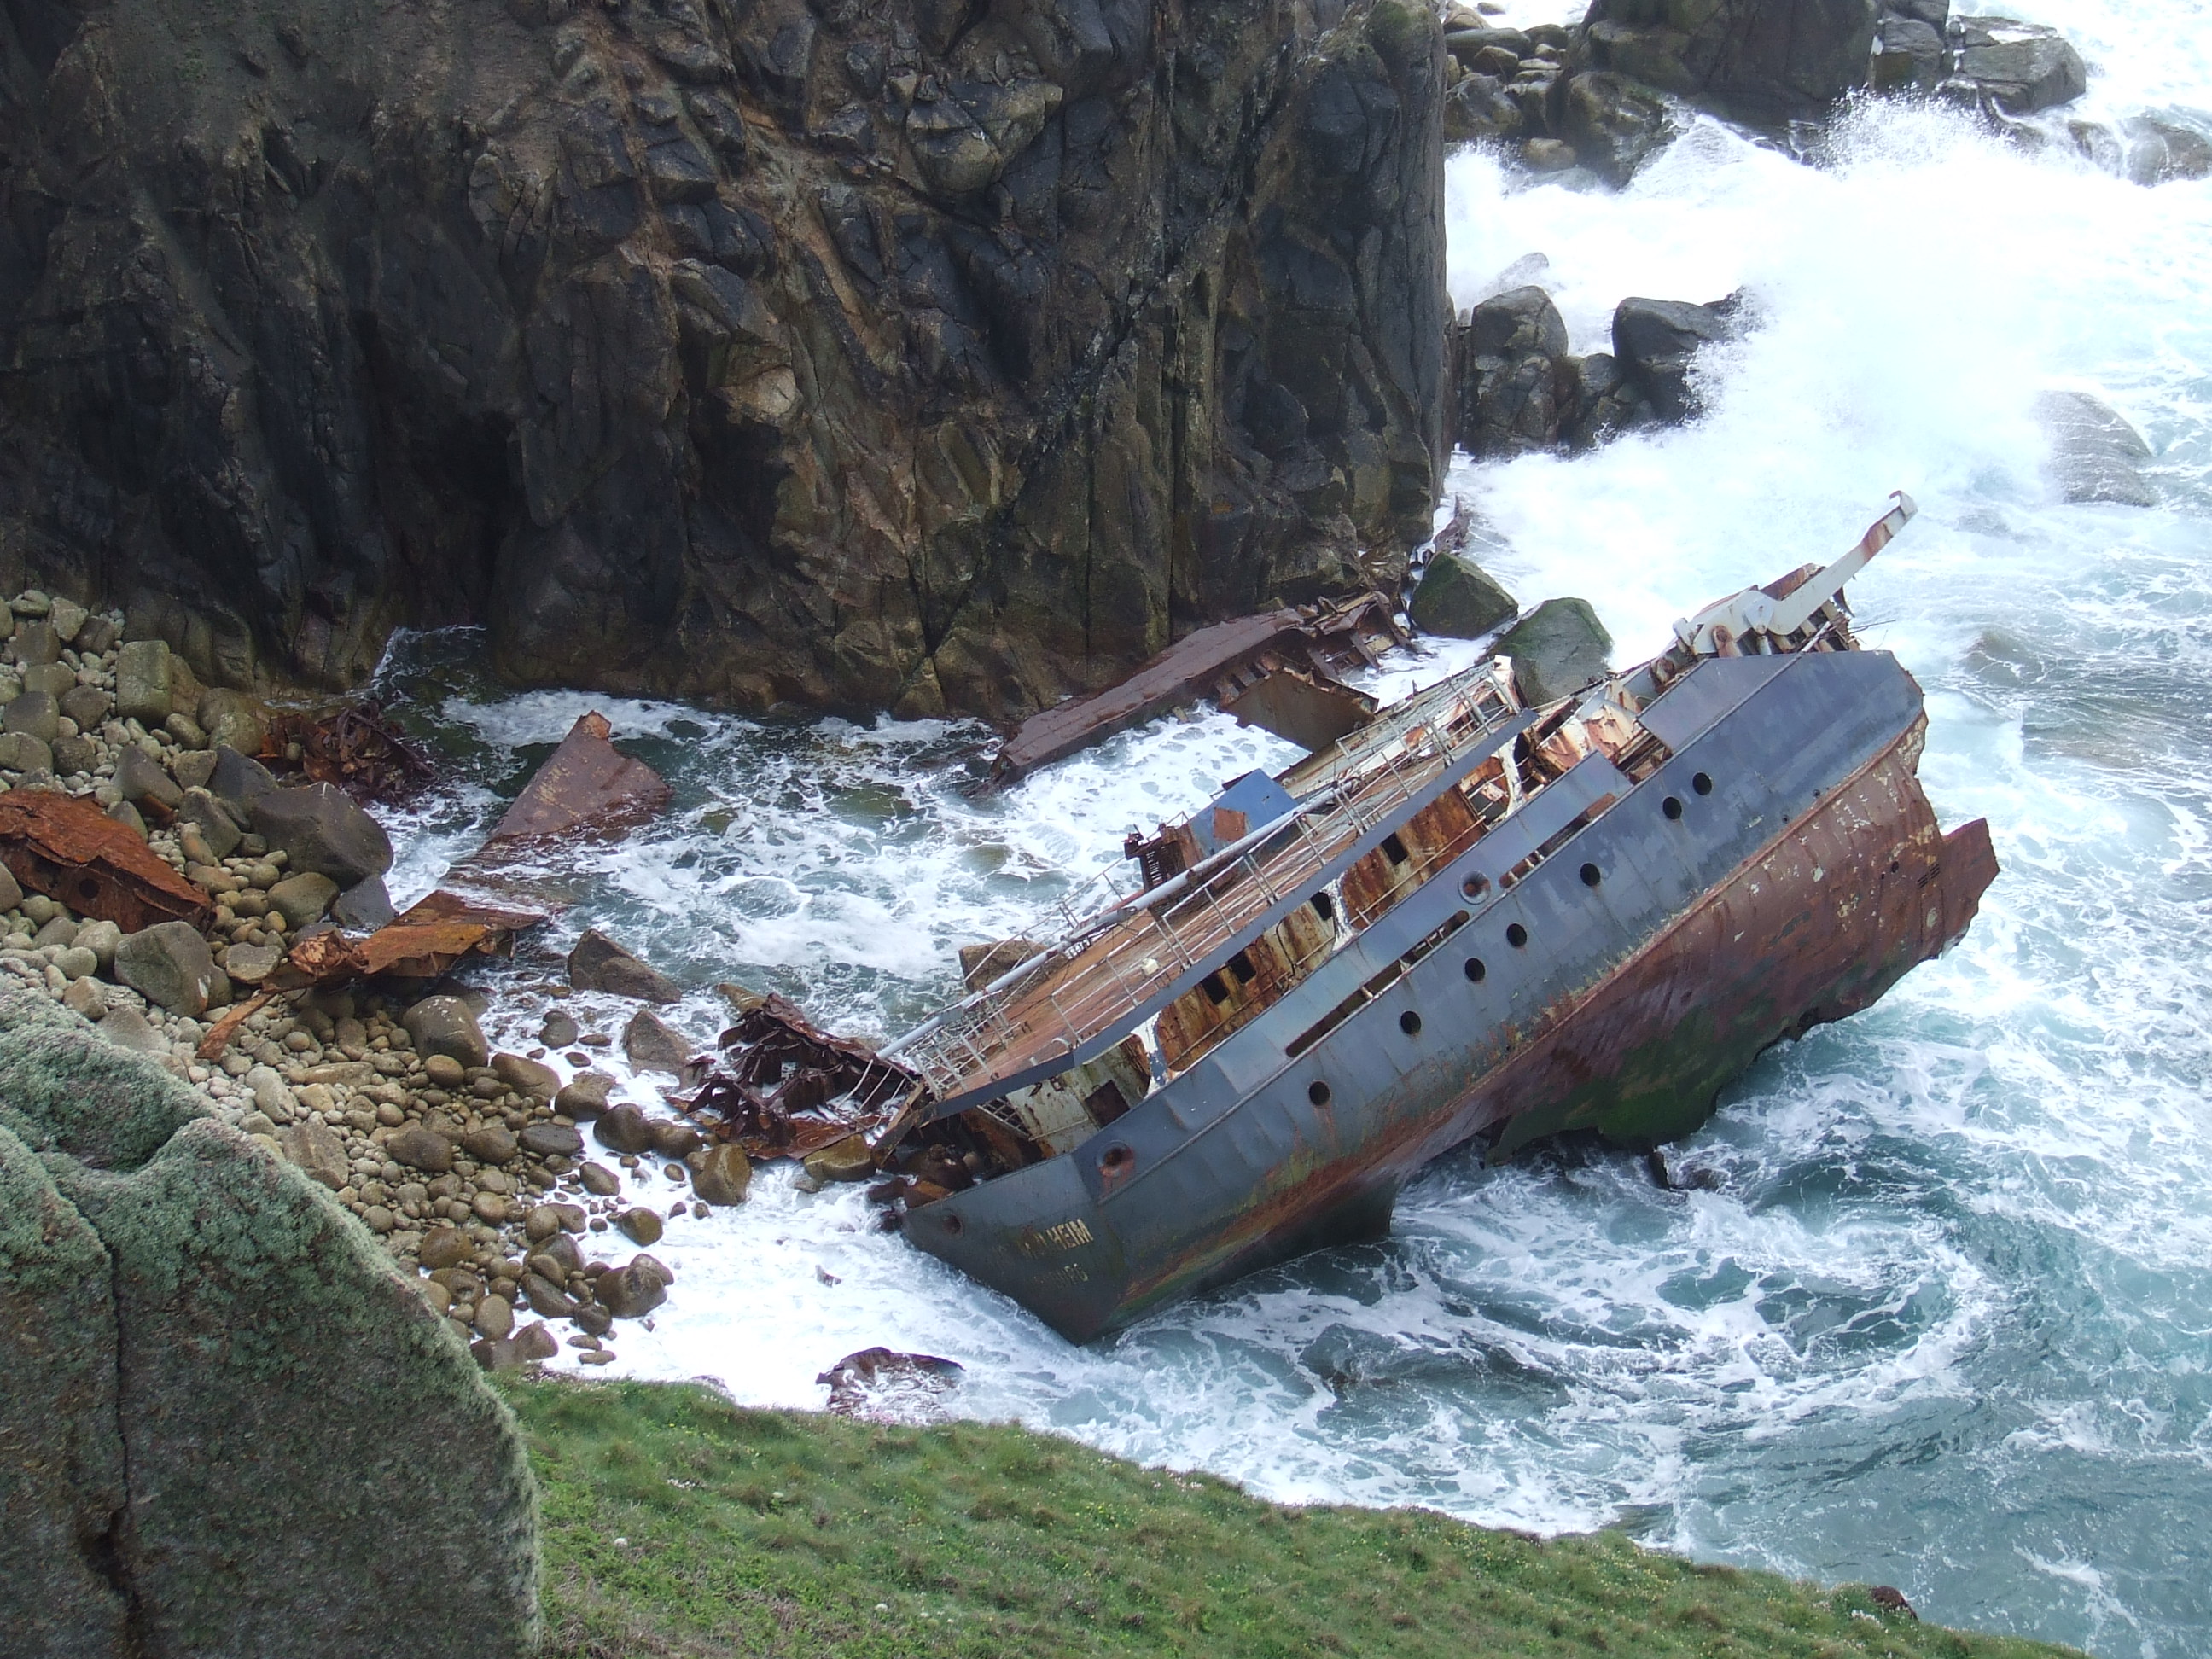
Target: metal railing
1116,958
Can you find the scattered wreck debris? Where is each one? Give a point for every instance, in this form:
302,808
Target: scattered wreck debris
67,848
787,1089
426,939
1234,664
1477,918
880,1385
355,748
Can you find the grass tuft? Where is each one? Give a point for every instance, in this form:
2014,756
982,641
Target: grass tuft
774,1533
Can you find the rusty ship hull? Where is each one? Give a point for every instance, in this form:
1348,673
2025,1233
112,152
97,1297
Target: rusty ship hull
1780,868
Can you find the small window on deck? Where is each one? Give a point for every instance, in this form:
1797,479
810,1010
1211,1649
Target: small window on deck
1241,965
1217,990
1393,848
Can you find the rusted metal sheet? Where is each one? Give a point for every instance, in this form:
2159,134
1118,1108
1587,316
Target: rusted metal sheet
586,787
785,1088
425,941
1225,662
70,850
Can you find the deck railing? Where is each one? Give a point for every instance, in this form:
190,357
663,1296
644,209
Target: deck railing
1116,957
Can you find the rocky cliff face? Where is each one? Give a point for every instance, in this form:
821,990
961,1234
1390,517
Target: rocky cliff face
938,353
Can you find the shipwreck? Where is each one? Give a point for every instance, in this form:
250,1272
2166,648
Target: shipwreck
1465,919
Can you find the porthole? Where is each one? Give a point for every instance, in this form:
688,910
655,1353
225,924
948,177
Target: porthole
1592,875
1516,935
952,1224
1317,1093
1410,1023
1116,1160
1702,783
1476,973
1475,886
1672,806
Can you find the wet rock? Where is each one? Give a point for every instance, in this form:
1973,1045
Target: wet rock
1655,342
1459,599
140,777
2160,147
303,898
444,1072
625,1129
653,1045
2094,453
675,1140
525,1077
495,1317
446,1025
144,680
547,1297
551,1141
634,1290
849,1159
230,720
882,1386
2019,68
1478,106
1910,55
364,908
1556,649
724,1176
640,1226
1607,402
73,755
318,1152
1612,123
319,830
11,891
601,1182
534,1343
168,964
443,1247
423,1149
584,1095
201,811
88,705
558,1031
1759,60
598,964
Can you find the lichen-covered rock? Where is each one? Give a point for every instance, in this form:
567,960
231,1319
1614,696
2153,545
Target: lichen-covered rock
61,1445
768,352
248,1381
1556,649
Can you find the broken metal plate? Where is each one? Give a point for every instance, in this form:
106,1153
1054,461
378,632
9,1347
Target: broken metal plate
785,1088
1306,709
423,942
586,787
71,851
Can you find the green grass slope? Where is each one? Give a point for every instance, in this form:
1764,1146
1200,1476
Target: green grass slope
678,1524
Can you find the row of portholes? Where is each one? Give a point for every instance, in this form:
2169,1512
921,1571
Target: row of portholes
1515,935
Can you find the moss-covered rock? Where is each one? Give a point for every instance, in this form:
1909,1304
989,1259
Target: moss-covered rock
61,1451
314,1465
1557,649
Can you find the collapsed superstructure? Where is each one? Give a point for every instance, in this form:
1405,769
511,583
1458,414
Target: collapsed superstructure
1465,919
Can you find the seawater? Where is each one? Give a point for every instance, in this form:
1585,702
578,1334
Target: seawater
1944,1322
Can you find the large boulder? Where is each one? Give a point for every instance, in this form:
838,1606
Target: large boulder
144,683
220,1395
319,829
1762,60
446,1025
842,354
1512,371
1612,123
1459,599
1656,343
2018,68
2094,453
1557,649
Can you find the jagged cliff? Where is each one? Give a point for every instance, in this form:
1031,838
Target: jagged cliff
938,353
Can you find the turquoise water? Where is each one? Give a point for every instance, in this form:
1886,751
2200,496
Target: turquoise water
1946,1320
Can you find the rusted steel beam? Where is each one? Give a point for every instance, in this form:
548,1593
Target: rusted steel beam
785,1088
424,941
70,850
1223,661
